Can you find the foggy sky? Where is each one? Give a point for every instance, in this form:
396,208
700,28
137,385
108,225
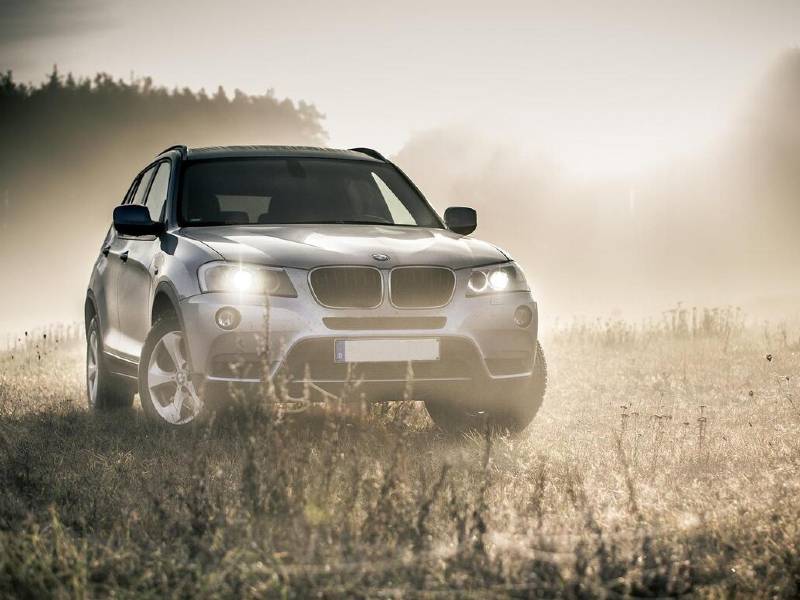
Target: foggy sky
604,87
623,137
25,21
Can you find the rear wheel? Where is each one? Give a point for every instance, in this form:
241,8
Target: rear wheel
510,411
104,389
166,386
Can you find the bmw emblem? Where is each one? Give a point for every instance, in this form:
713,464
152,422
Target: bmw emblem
380,257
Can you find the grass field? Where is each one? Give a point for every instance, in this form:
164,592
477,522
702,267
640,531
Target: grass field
664,462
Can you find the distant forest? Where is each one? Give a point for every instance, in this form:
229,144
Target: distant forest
70,147
86,137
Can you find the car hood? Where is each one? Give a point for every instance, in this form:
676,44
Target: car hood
308,246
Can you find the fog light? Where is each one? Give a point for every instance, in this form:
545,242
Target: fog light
523,316
228,318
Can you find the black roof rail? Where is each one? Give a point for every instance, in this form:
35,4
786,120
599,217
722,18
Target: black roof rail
370,152
180,147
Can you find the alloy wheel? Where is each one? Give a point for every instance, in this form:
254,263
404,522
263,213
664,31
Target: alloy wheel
169,381
92,367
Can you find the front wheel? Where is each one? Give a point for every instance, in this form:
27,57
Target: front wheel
166,386
509,410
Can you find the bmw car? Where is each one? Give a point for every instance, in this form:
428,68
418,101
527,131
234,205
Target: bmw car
305,273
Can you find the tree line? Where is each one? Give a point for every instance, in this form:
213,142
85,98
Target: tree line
71,145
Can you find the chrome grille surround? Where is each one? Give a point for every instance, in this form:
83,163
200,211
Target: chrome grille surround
421,286
346,286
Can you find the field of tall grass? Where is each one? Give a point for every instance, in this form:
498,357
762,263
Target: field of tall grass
664,462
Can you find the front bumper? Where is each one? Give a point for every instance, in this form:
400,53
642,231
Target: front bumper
294,337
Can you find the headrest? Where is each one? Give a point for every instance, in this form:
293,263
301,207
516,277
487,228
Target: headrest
204,207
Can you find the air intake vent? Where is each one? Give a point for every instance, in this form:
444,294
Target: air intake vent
387,323
347,287
422,287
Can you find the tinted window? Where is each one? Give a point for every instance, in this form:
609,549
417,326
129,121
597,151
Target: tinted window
141,189
304,190
158,191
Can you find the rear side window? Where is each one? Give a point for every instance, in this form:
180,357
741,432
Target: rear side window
141,189
158,191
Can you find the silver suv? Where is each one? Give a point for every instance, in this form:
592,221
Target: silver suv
305,273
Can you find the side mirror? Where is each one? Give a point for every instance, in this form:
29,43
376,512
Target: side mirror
134,219
461,220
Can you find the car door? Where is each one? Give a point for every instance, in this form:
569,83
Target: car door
109,266
105,290
137,274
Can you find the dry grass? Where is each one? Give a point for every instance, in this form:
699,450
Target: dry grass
664,462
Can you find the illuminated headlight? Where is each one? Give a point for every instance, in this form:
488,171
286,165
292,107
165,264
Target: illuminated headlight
245,279
496,279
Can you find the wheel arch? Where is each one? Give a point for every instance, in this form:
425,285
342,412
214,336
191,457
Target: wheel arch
165,303
89,309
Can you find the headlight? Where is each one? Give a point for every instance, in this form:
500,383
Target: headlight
245,279
496,279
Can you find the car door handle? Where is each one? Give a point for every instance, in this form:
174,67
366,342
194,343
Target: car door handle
124,256
106,249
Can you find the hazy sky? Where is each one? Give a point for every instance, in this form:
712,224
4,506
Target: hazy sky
606,87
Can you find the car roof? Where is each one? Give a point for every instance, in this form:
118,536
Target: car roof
281,151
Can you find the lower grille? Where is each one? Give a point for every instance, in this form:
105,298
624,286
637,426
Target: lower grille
509,366
459,360
421,287
347,287
237,367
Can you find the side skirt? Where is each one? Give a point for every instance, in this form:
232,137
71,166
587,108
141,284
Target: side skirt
122,366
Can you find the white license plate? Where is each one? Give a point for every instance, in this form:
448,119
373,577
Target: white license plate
386,350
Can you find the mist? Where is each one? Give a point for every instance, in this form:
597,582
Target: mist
716,228
628,428
71,147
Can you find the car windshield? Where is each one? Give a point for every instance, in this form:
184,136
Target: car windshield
272,191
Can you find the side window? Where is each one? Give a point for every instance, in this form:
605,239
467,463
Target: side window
158,191
138,197
131,191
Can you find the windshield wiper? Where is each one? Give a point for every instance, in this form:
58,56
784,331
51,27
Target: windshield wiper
337,222
212,223
352,222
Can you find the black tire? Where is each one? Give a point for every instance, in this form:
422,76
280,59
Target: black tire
510,410
165,326
107,391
